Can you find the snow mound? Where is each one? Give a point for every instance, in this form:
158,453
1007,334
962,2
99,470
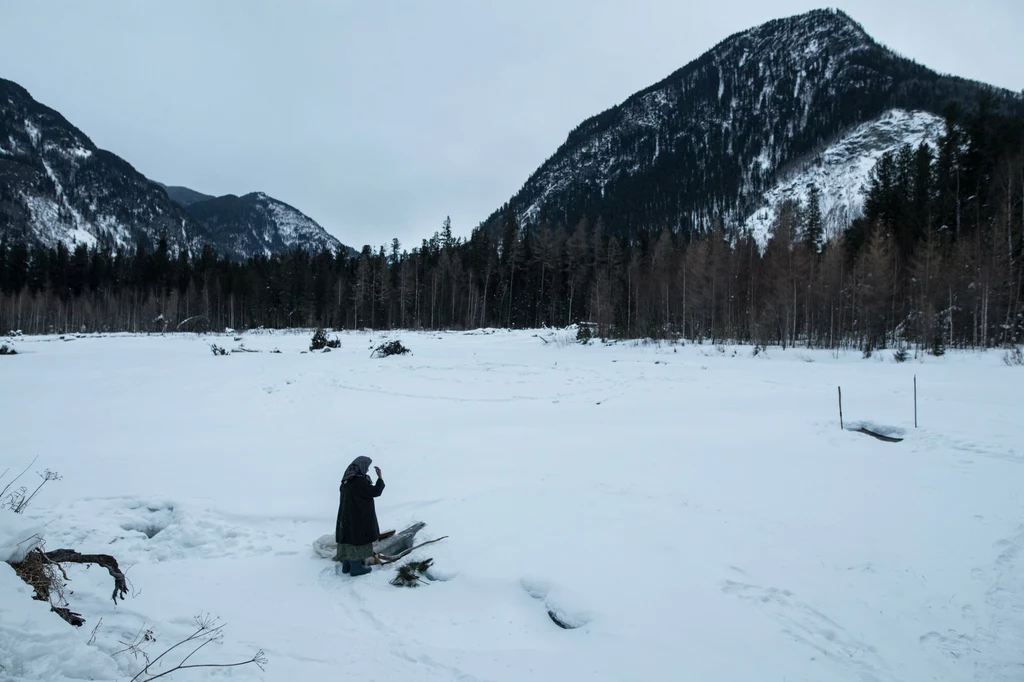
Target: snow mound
18,536
875,427
37,645
562,608
325,547
154,530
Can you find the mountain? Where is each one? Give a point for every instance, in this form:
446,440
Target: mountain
57,186
256,223
183,196
807,98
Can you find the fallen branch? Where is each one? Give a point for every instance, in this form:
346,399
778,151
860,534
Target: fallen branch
68,615
383,559
44,573
408,575
386,350
187,320
70,556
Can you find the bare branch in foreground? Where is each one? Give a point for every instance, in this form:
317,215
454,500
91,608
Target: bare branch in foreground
207,632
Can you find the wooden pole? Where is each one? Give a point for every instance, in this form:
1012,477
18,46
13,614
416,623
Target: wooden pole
915,401
840,407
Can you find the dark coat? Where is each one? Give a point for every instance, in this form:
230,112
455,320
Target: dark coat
357,516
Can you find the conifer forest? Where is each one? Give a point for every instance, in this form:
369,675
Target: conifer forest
936,261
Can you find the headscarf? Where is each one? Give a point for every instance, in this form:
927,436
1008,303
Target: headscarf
360,466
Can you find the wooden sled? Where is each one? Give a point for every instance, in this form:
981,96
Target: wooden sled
389,547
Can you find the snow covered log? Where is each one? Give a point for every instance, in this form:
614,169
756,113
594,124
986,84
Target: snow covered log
40,569
889,434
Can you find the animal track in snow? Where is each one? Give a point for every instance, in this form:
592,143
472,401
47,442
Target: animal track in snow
1004,607
811,627
565,618
954,644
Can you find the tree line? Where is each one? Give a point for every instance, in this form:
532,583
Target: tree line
935,261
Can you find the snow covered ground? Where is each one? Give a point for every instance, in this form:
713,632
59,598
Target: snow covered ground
697,512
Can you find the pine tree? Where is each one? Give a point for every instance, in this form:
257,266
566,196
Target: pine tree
876,288
5,274
512,257
814,227
575,265
447,241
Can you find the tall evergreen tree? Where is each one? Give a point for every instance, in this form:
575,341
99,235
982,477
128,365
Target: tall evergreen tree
814,223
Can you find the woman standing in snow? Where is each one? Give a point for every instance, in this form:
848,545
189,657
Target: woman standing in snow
357,528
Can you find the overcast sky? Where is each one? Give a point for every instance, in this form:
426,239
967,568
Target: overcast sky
378,119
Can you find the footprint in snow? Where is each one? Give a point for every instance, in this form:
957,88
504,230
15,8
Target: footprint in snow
564,617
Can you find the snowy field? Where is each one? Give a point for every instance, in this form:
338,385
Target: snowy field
696,513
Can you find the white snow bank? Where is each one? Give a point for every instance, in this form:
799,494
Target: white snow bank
18,536
875,427
37,645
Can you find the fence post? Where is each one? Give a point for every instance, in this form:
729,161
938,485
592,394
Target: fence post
840,407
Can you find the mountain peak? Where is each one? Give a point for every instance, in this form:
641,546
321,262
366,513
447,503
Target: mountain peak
257,223
822,34
831,21
705,145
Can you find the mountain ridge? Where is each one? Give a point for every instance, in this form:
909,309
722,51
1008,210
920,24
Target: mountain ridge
183,196
57,186
257,223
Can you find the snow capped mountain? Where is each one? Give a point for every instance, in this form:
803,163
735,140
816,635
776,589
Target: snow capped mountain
57,186
259,224
717,139
841,170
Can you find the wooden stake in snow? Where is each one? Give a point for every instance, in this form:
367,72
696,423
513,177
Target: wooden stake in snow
915,401
840,407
